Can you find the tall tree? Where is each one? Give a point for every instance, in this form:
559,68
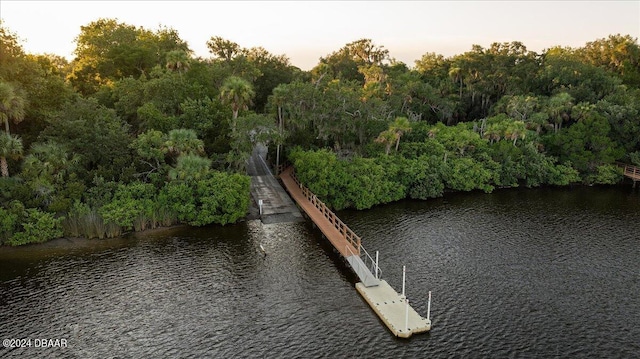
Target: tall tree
107,50
97,133
238,93
559,109
387,138
12,105
345,62
183,141
400,126
223,49
178,60
10,147
272,70
617,53
11,53
564,71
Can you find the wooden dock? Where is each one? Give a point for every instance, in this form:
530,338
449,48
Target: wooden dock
392,308
632,172
342,238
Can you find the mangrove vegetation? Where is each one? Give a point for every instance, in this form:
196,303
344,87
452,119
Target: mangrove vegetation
136,133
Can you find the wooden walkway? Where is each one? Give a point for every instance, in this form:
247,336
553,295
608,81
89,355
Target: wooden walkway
342,238
632,172
391,307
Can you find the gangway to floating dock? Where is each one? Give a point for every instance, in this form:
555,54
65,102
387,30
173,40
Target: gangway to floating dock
391,307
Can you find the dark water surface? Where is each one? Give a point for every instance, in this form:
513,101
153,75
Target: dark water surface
514,274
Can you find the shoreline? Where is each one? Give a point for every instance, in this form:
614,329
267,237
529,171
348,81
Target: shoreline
81,242
252,214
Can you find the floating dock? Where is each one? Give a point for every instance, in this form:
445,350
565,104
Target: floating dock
392,308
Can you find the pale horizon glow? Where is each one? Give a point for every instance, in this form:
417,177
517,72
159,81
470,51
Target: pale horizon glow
304,31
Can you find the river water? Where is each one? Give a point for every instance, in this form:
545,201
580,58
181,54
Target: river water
518,273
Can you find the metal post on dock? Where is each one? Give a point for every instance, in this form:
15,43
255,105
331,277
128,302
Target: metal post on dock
404,269
377,268
429,306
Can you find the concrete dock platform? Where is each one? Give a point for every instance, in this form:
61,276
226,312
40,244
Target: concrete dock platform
393,310
267,195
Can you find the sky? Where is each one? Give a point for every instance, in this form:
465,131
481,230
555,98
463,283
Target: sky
304,31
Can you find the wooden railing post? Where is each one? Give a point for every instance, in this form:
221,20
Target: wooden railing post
346,232
632,172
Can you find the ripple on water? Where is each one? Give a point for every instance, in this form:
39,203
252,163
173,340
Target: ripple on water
541,273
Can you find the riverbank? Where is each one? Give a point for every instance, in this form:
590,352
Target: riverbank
252,214
80,242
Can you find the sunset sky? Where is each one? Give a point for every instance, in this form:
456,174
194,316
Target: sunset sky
307,30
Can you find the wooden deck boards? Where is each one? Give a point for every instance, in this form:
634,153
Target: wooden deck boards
328,229
632,172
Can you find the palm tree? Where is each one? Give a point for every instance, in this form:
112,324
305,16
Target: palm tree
49,160
493,133
387,137
237,92
183,141
559,108
278,98
12,105
190,166
400,126
455,73
178,60
515,130
10,147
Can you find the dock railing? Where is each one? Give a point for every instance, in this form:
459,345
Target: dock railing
631,171
368,261
344,230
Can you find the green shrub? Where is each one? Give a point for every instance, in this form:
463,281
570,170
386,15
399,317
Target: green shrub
219,198
466,174
222,198
38,227
8,222
606,174
133,203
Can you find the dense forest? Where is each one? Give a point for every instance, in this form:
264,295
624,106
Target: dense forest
136,133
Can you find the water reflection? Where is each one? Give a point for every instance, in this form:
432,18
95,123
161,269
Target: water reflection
518,273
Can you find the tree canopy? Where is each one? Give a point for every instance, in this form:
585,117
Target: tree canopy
135,132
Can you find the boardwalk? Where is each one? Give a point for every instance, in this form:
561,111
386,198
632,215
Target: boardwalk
632,172
392,308
342,238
